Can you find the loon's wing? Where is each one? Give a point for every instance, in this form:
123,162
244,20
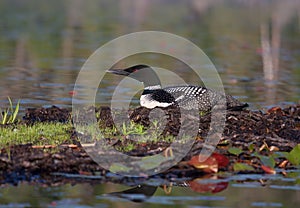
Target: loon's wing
191,97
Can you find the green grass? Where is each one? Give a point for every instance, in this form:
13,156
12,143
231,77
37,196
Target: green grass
37,134
130,134
151,134
58,133
9,115
126,148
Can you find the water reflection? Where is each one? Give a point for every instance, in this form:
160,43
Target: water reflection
43,46
137,194
233,191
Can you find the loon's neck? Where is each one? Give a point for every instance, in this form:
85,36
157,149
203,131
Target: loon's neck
148,77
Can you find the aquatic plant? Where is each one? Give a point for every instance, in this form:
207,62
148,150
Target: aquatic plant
9,115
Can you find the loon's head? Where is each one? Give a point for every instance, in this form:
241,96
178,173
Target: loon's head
141,72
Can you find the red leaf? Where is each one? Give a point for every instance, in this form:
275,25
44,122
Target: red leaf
268,170
222,160
199,187
275,110
210,165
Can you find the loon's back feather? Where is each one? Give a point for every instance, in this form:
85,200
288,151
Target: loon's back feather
189,97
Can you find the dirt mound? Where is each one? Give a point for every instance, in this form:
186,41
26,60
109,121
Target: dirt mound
277,127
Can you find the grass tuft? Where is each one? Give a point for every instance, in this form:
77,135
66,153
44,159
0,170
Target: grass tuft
9,115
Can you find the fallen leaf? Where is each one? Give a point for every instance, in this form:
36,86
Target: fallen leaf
266,160
235,151
294,155
275,110
210,165
264,146
268,169
274,148
242,167
222,160
283,164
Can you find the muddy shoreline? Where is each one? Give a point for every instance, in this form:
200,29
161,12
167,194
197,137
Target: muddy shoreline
279,128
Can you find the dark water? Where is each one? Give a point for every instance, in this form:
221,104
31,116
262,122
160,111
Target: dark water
43,46
241,191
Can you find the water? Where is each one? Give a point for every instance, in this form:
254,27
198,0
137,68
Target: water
44,45
240,191
42,50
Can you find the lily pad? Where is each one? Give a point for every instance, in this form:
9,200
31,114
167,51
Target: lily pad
242,167
235,151
266,160
294,155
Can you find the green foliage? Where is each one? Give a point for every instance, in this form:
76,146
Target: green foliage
295,175
235,151
38,134
251,147
139,131
132,128
266,160
280,154
124,130
294,155
136,134
242,167
126,147
271,157
9,115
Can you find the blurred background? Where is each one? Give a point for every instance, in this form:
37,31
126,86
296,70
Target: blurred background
254,44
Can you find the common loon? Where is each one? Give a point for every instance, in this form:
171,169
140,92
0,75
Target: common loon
188,97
